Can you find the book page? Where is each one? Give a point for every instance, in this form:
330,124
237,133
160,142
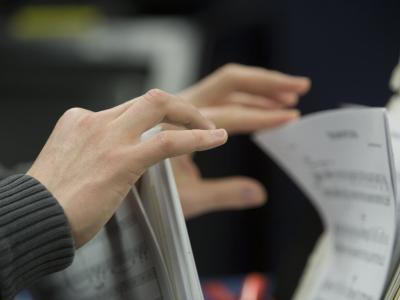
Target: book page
122,262
394,124
394,127
342,161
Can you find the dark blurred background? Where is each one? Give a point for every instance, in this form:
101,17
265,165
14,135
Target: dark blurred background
117,49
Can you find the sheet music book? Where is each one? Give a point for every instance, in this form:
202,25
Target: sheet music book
347,162
143,253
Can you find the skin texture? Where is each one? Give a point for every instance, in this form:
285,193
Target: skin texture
240,99
92,159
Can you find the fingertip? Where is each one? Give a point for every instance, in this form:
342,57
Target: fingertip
297,84
255,194
220,135
304,84
287,115
290,99
293,114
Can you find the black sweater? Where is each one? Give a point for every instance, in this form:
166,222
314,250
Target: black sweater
35,237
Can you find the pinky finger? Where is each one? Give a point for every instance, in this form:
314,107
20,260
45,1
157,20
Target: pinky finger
172,143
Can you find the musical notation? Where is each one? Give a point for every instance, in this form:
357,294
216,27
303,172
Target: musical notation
359,178
342,161
98,275
368,256
367,234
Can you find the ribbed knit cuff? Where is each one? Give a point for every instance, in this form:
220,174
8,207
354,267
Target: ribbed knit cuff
35,237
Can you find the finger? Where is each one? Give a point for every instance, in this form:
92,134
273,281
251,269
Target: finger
156,107
236,119
184,168
221,194
287,98
177,142
264,82
249,100
251,80
118,110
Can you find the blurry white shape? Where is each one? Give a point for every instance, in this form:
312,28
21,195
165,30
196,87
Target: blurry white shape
395,80
171,47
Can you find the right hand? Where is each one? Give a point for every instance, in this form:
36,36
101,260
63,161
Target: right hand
241,99
92,159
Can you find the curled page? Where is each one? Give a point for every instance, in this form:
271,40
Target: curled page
342,160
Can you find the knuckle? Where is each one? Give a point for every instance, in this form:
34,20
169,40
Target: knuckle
86,120
156,97
231,73
73,113
230,69
71,117
165,142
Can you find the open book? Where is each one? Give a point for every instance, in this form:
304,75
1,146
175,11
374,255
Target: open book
345,161
143,253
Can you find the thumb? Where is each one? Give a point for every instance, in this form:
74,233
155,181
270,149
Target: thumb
222,194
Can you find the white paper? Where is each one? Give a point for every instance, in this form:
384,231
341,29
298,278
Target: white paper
342,160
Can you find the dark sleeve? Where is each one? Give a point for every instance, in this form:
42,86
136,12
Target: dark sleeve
35,237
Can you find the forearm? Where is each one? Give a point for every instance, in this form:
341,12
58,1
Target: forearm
35,238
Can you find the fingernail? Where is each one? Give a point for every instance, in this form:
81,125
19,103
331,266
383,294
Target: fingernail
251,196
219,133
306,81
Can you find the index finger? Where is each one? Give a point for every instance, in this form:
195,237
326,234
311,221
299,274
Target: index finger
157,107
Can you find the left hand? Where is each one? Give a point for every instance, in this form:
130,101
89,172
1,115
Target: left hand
92,159
240,99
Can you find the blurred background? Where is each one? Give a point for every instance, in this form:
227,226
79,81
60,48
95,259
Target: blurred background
94,54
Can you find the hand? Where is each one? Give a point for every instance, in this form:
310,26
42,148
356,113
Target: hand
240,99
92,159
243,99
